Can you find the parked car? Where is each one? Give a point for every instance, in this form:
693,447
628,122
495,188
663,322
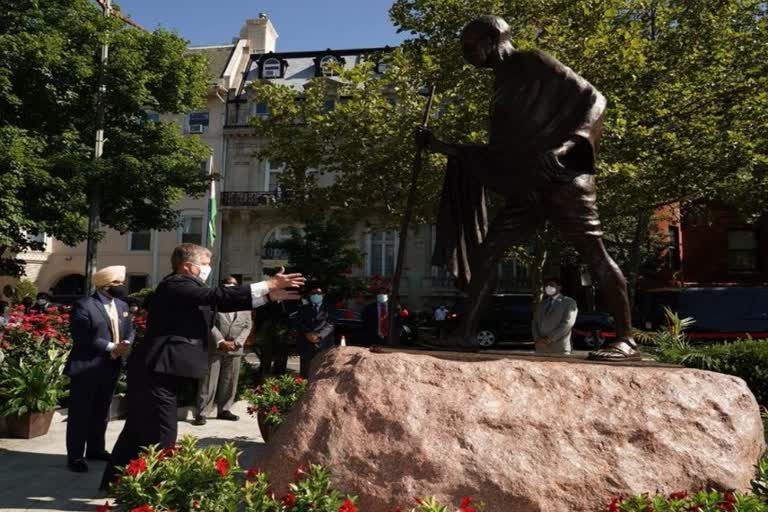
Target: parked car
507,319
720,313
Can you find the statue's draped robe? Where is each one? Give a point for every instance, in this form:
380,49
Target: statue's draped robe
544,117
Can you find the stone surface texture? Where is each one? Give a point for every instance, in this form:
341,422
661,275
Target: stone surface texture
521,435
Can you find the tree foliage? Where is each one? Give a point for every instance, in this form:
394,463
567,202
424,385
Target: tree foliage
49,77
323,250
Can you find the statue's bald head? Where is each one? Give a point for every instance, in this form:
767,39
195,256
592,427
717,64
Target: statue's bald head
484,39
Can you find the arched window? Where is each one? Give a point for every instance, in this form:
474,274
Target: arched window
277,234
272,68
326,65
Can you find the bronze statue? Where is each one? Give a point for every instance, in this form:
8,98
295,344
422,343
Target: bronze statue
544,130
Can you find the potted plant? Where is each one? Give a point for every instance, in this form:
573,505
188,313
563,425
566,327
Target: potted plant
29,394
271,401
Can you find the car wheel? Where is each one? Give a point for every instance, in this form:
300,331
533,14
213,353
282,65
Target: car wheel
485,338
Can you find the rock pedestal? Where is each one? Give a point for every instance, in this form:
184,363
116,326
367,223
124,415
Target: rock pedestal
521,435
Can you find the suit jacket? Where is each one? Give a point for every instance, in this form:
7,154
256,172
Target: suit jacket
553,322
236,325
179,320
311,321
91,332
371,320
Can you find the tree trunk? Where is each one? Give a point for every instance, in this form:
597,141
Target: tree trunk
643,221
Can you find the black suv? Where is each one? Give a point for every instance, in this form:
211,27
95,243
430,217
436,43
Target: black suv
507,319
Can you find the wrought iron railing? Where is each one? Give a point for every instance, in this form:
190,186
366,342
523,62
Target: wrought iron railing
249,199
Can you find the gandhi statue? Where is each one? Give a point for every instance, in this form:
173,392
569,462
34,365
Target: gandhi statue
545,123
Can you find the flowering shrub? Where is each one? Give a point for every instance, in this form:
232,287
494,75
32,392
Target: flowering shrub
432,505
35,348
140,323
275,397
188,478
704,501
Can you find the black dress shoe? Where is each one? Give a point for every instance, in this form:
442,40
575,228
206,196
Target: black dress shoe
102,455
77,466
199,421
226,415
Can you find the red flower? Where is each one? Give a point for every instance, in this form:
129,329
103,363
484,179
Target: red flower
615,504
679,495
289,499
6,345
143,508
251,474
347,506
103,508
299,380
275,409
195,504
136,466
222,466
466,505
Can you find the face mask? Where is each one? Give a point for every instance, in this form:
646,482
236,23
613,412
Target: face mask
550,290
316,299
42,302
382,298
205,271
117,292
229,286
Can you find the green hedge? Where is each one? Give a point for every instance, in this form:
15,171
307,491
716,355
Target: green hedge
747,359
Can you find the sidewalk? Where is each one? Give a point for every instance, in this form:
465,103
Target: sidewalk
34,477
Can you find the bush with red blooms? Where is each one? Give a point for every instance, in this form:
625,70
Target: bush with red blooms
275,397
704,501
30,336
188,478
140,323
467,504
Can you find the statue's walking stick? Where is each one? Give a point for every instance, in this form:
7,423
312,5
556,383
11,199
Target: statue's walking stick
393,332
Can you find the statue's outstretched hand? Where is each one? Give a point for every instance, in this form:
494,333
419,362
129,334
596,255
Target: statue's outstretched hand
424,138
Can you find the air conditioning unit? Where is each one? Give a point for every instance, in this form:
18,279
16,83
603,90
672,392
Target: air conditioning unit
196,128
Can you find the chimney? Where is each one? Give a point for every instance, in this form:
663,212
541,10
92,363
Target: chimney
260,34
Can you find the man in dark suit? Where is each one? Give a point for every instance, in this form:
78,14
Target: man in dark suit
101,331
175,346
315,329
376,319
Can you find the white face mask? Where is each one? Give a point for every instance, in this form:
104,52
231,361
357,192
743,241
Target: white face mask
382,298
205,271
550,290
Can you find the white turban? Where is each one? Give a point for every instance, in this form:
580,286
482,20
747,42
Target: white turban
105,276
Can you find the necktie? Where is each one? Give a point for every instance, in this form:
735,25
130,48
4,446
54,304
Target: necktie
112,312
383,324
549,306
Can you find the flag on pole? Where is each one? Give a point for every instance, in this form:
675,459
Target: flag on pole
211,206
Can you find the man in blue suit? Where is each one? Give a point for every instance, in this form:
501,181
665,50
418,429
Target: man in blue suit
102,331
315,329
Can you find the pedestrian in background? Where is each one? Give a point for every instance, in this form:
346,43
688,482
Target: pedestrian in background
315,323
553,321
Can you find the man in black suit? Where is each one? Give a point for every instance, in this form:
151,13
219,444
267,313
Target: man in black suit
175,346
102,331
315,329
376,319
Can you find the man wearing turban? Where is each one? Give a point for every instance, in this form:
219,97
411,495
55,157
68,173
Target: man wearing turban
102,331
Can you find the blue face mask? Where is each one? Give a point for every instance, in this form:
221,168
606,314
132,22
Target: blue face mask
316,299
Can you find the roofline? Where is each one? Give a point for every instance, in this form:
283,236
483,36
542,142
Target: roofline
314,53
210,47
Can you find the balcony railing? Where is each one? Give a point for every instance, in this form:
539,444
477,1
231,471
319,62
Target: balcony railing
250,199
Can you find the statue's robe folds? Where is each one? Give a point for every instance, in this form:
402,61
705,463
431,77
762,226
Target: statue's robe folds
545,126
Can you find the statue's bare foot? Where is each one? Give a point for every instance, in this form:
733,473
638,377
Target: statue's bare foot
620,350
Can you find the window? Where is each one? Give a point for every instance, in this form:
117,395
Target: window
276,235
382,247
742,250
38,241
673,250
382,67
272,69
153,116
192,230
137,282
140,240
326,65
259,109
272,177
198,122
329,105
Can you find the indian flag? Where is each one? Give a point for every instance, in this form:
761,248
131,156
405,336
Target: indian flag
211,206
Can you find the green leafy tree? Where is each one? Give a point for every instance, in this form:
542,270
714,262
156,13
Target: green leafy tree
49,76
323,250
686,122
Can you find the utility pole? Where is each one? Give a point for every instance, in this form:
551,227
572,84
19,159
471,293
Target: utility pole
94,196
